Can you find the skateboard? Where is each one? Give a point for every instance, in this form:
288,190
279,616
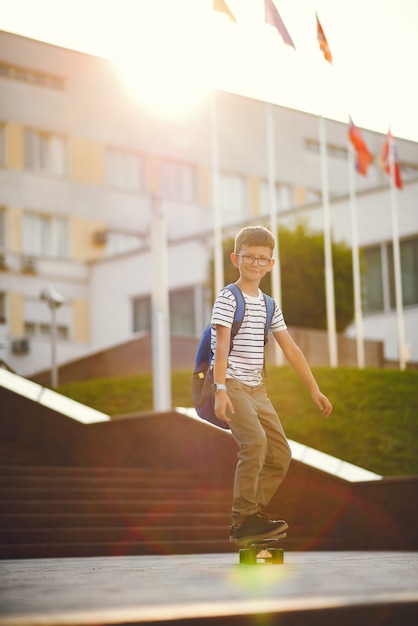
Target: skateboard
259,552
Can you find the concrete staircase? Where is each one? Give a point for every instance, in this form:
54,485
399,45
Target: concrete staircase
161,483
93,511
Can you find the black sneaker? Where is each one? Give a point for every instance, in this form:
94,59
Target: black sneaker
257,527
232,532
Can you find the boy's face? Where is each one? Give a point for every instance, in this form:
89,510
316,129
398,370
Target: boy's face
253,262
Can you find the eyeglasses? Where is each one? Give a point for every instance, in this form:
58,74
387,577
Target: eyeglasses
249,259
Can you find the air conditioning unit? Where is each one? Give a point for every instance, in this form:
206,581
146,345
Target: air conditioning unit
3,262
29,265
20,346
100,238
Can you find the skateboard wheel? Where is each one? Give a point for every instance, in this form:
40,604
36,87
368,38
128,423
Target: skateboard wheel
248,556
277,555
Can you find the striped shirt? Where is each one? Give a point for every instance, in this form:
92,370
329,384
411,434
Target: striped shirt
246,359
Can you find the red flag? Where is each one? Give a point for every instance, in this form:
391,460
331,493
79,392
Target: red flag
364,158
222,7
273,18
322,40
389,154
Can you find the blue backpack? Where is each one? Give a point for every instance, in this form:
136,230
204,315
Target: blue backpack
202,378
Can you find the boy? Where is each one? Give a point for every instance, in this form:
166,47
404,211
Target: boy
240,396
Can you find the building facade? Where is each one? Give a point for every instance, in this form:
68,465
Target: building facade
81,166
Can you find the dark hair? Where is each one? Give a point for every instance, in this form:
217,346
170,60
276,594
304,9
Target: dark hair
254,236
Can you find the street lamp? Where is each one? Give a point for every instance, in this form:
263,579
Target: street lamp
51,296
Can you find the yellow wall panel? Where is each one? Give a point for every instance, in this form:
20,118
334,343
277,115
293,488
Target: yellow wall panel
14,134
204,186
300,195
17,326
14,229
83,244
81,326
152,183
254,187
87,161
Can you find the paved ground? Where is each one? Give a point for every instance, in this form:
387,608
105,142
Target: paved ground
140,589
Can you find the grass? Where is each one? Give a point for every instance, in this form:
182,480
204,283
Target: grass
374,423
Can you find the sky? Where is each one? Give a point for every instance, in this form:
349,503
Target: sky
172,51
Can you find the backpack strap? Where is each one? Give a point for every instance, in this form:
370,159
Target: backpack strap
239,311
270,305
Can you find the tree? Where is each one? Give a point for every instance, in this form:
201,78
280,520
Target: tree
303,278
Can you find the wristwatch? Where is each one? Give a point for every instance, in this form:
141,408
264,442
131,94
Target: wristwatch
217,387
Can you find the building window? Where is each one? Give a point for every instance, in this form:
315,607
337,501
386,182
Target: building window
30,329
409,171
178,181
3,145
265,198
2,307
121,243
31,76
182,316
142,314
45,330
379,276
2,230
40,329
125,169
313,196
234,194
45,152
409,270
62,332
45,235
333,150
373,297
286,197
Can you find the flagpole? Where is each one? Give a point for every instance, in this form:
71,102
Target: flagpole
161,360
329,275
358,317
396,257
276,288
217,217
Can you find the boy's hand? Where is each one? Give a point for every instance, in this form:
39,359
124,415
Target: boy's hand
222,405
322,403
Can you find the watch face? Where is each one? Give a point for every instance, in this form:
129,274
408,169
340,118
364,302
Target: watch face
216,387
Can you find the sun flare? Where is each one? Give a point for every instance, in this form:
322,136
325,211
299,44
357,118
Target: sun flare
166,63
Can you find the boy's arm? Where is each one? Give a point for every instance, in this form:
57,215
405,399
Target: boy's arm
222,401
299,363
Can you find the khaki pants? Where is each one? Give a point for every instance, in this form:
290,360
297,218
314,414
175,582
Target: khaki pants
264,454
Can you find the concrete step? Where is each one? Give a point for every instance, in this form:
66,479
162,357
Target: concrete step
84,470
106,491
16,454
128,532
83,482
210,504
63,512
106,520
163,546
122,548
89,511
50,477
